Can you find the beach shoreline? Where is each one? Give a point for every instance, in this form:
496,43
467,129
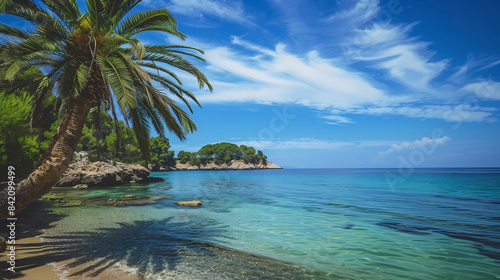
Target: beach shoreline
29,252
32,263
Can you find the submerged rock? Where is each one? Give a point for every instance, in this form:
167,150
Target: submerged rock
128,196
130,200
190,203
72,204
80,186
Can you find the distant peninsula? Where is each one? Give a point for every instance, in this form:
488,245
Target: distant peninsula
233,165
219,156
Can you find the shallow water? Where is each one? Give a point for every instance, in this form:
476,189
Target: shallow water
296,224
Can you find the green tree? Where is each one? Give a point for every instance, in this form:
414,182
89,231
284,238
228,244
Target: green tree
90,58
159,147
18,147
184,157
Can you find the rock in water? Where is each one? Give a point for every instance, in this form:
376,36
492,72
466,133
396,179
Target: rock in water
191,203
93,174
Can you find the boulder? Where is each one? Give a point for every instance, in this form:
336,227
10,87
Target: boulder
190,203
94,174
80,186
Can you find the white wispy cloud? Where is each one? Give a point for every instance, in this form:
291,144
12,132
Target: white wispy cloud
227,10
487,89
336,119
277,76
472,66
405,59
313,144
361,12
424,143
269,76
457,113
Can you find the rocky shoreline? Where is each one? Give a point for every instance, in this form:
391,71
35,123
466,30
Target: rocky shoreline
235,165
93,174
82,173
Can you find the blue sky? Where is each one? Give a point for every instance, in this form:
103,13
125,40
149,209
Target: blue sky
351,83
361,83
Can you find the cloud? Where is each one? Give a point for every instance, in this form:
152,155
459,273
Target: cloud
457,113
360,13
268,76
487,89
424,143
227,10
472,66
405,59
313,144
249,73
336,119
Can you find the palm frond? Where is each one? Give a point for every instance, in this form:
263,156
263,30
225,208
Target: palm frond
49,26
149,109
154,66
152,18
171,49
67,11
116,73
181,64
96,14
68,82
116,10
141,130
14,32
175,89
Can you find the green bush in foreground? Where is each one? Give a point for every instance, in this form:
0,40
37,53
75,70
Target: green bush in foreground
18,147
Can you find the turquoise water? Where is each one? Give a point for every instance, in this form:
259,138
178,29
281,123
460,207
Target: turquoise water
297,224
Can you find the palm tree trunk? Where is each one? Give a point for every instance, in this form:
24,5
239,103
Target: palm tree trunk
56,159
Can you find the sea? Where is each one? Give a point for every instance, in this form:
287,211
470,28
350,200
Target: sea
441,223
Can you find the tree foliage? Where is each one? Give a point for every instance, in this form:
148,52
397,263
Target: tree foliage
18,147
222,153
159,147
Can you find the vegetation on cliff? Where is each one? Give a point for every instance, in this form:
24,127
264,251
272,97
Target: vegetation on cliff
222,153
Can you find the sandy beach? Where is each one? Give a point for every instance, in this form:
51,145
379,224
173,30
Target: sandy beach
29,261
35,261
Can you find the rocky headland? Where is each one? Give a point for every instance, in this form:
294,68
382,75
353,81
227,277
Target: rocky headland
234,165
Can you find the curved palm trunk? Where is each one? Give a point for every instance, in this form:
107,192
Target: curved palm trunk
56,159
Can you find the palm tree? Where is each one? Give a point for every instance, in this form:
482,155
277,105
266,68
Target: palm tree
94,57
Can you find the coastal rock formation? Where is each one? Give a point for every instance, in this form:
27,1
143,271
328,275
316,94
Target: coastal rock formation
83,172
235,165
190,203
